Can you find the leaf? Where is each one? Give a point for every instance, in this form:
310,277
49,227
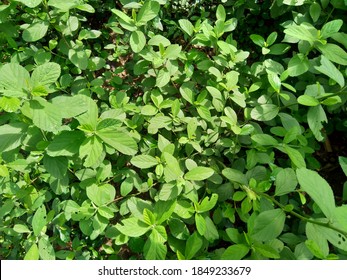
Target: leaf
144,161
315,11
156,40
133,227
264,139
235,252
193,245
46,116
264,112
101,195
274,81
91,149
39,220
343,164
186,26
63,6
35,31
331,71
300,32
137,41
285,181
163,210
331,28
154,248
12,136
318,189
148,11
308,100
45,74
30,3
9,104
207,203
56,166
172,170
90,117
318,242
46,250
211,232
334,53
298,65
315,118
295,156
235,176
163,78
66,143
14,80
33,253
20,228
119,140
79,58
268,225
199,173
258,40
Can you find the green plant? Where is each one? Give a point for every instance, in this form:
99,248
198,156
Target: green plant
122,137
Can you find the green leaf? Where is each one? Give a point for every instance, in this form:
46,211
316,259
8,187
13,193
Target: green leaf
315,118
148,11
331,71
137,41
207,203
193,245
315,11
186,26
308,100
163,78
264,112
119,140
79,58
101,195
172,170
343,164
92,150
258,40
200,223
199,173
39,220
211,232
66,143
45,74
295,156
14,80
46,116
144,161
56,166
285,181
235,252
331,28
33,253
35,31
266,250
220,13
264,139
318,243
9,104
20,228
318,189
133,227
63,6
159,39
46,250
298,65
235,176
274,81
268,225
90,117
302,32
334,53
154,248
12,136
30,3
163,210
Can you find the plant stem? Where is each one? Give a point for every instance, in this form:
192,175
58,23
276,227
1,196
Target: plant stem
305,219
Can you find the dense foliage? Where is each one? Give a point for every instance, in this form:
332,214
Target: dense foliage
172,129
